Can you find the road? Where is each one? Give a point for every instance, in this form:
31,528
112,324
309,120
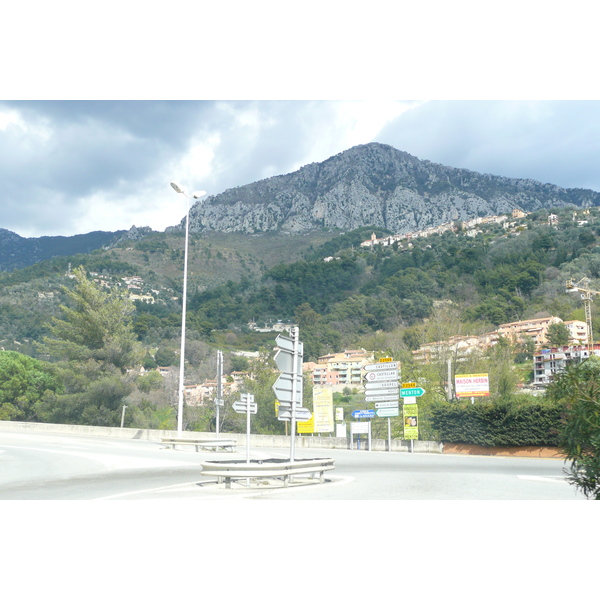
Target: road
42,466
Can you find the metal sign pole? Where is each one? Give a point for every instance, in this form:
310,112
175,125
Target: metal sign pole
389,435
294,332
219,386
248,432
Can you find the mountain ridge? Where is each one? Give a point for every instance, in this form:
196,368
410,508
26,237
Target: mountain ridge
374,184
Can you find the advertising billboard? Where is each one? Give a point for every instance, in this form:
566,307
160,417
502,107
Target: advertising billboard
472,385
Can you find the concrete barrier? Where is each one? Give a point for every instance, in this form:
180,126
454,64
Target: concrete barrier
256,441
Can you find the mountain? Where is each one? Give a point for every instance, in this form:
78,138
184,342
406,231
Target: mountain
17,252
374,184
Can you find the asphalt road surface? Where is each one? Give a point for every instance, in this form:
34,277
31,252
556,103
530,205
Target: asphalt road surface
42,466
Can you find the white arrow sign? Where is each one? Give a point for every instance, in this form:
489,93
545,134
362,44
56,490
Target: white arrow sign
390,374
385,392
381,366
302,414
242,407
381,398
380,385
284,358
392,404
283,388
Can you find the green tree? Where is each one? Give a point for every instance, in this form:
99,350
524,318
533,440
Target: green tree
23,383
97,325
558,334
579,389
95,344
165,357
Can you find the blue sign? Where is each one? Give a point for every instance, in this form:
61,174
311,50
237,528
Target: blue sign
363,414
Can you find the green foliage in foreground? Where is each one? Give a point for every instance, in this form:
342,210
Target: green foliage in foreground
23,383
579,387
501,424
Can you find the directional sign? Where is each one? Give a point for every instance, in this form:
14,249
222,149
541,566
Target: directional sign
284,358
390,374
242,407
381,398
302,414
417,391
379,385
388,412
381,366
392,404
385,392
283,388
363,414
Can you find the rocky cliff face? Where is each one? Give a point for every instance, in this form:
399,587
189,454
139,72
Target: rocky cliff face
374,184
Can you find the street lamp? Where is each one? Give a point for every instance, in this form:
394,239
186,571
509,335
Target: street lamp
195,195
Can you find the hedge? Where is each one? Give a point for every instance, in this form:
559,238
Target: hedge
498,425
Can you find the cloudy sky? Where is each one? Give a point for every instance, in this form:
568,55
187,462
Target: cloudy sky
99,114
71,167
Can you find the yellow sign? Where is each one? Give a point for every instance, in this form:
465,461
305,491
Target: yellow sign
306,426
409,384
385,360
323,410
411,422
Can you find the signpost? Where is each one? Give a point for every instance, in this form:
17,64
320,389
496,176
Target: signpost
246,404
219,399
382,387
288,387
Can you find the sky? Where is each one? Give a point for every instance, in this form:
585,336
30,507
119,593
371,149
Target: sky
97,119
70,167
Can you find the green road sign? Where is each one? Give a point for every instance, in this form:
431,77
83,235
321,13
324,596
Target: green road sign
416,391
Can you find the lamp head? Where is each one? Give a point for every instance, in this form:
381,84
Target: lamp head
197,195
177,188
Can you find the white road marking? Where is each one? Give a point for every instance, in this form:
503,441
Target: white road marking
111,462
552,479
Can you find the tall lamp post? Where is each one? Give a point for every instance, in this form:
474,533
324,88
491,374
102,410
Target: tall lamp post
195,195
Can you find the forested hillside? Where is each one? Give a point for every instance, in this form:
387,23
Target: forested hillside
91,322
338,293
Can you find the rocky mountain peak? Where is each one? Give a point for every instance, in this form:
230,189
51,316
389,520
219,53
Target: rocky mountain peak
374,184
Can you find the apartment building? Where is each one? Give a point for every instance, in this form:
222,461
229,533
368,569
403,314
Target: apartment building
461,346
536,329
340,369
578,332
548,362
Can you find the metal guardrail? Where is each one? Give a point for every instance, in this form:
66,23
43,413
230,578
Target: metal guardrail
212,443
271,468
